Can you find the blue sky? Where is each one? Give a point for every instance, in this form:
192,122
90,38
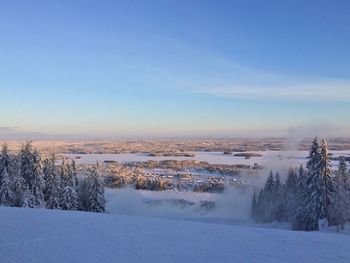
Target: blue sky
174,68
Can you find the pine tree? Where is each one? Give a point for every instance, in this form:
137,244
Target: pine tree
27,164
19,187
6,194
28,199
267,203
278,200
73,173
96,197
318,186
18,183
69,199
291,195
37,182
340,203
31,171
4,160
300,220
66,179
47,165
52,189
269,187
326,175
83,195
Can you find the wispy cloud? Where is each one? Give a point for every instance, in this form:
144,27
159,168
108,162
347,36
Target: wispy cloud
228,78
5,129
287,89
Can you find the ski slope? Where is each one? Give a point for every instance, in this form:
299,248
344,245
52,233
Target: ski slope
38,235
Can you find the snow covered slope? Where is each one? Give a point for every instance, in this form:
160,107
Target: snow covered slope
36,235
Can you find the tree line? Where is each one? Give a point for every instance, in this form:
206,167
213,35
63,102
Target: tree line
28,181
309,194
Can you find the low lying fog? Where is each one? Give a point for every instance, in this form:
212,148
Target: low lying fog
231,204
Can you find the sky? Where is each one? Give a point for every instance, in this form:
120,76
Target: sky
184,68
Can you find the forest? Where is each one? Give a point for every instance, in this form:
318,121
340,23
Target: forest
28,181
311,196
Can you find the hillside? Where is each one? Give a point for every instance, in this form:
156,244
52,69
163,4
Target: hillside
37,235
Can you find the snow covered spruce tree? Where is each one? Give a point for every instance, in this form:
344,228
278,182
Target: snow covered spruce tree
96,199
299,222
291,195
28,199
69,199
38,183
83,194
270,204
52,189
4,160
68,196
267,202
6,194
73,173
319,185
17,182
31,171
278,199
19,188
340,202
66,179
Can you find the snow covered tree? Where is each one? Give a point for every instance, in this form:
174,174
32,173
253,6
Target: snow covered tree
65,175
52,189
340,202
4,157
270,203
264,205
31,171
326,175
269,187
73,174
37,182
6,194
69,199
259,212
83,195
27,163
278,200
47,165
19,188
18,183
319,186
300,220
4,160
291,195
28,199
96,199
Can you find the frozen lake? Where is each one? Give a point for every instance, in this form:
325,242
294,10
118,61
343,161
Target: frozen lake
273,159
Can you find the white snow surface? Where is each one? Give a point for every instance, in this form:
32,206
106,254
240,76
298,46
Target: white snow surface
50,236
